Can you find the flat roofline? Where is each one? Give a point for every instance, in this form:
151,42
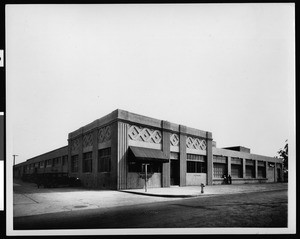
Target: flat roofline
46,153
232,147
233,153
124,115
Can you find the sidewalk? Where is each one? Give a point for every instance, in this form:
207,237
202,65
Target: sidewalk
30,200
195,191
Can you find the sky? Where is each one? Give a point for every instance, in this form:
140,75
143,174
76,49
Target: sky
224,68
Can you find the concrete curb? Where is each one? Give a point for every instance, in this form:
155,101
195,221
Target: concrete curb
162,195
197,195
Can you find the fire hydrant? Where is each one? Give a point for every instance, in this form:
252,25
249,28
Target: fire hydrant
202,186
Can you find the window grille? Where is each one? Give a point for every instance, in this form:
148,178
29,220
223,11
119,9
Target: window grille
249,162
260,163
219,159
235,160
219,170
196,157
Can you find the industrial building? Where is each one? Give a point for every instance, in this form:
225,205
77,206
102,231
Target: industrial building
111,153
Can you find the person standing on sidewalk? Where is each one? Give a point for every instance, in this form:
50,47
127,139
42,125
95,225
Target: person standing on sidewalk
229,179
225,179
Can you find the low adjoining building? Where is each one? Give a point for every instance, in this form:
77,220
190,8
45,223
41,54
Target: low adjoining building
111,153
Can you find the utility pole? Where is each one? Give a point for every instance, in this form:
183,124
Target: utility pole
14,155
146,164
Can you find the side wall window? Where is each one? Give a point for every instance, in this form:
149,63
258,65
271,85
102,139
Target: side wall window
65,160
104,160
74,163
87,162
261,169
195,167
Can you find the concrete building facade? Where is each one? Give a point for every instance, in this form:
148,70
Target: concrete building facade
111,153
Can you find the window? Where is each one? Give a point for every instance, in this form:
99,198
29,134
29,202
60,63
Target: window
55,161
261,169
261,172
74,163
250,171
64,160
235,160
196,157
219,166
236,171
219,170
104,160
87,162
195,167
219,159
196,163
174,155
48,163
42,164
250,168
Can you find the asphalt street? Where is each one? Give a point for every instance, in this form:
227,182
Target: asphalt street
254,209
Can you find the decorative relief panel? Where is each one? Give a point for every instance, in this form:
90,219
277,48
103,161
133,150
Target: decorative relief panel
174,139
75,145
104,134
195,143
144,134
87,140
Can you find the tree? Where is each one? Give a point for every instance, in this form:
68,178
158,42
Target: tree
283,153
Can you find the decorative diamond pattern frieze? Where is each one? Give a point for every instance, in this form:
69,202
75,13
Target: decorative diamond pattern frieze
75,144
174,139
144,134
104,134
87,140
195,143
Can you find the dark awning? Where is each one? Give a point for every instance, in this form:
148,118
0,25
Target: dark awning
146,154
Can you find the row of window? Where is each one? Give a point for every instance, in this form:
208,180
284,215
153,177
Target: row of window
155,167
234,160
104,161
219,169
195,164
48,163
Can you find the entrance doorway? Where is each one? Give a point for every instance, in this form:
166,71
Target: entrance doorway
174,171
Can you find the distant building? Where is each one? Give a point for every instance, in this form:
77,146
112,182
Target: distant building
110,153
